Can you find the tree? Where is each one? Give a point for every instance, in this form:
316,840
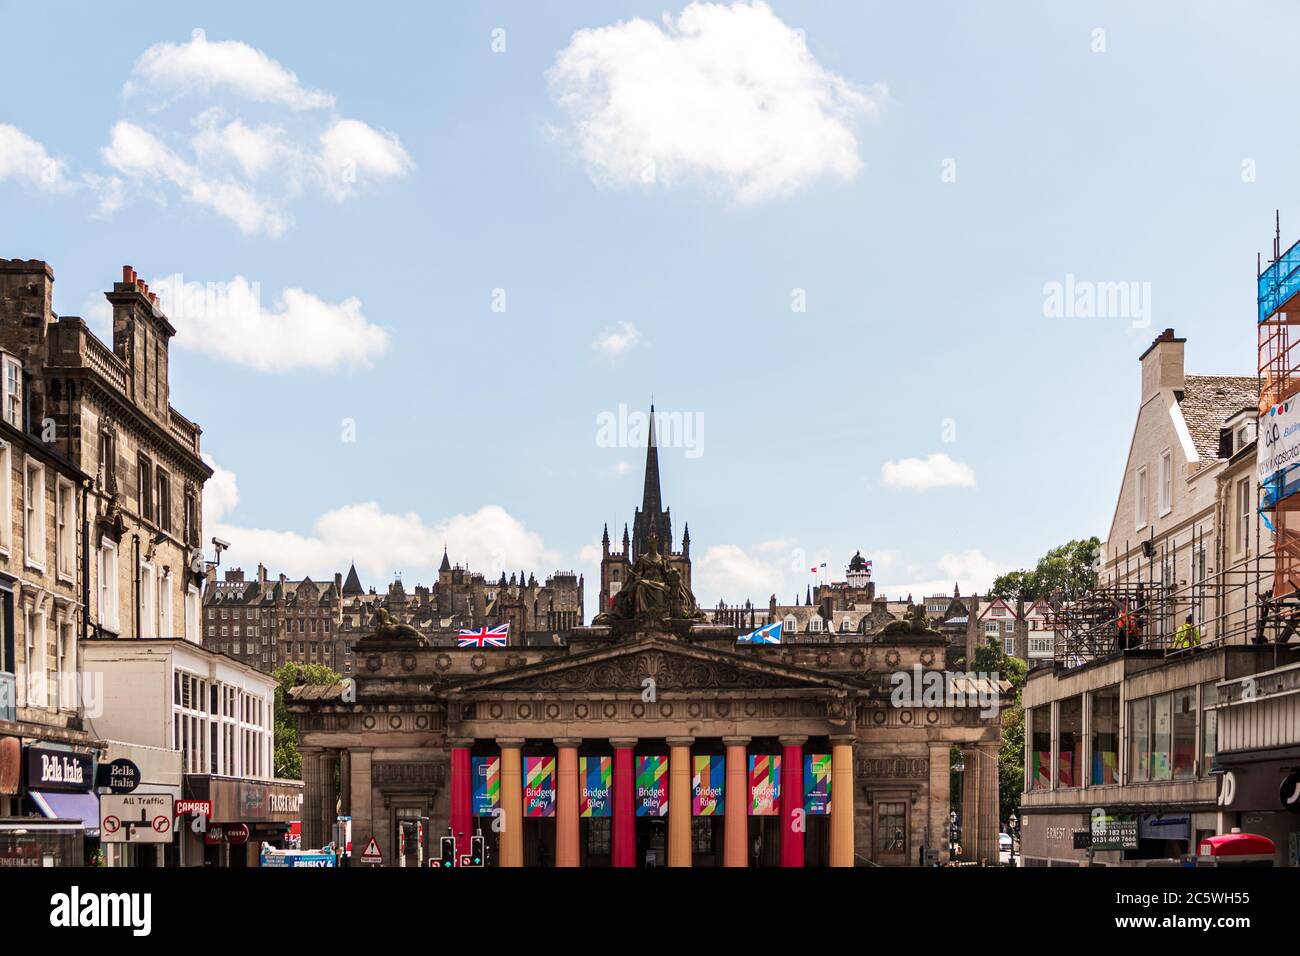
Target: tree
990,659
1064,572
288,761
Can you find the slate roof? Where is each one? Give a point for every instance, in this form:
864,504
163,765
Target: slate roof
1208,401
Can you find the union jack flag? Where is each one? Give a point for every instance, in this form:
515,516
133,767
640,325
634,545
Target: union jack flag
497,636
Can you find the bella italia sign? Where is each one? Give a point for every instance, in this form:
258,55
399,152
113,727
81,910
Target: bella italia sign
59,770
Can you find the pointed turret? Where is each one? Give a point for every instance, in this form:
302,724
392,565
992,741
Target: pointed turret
352,585
446,564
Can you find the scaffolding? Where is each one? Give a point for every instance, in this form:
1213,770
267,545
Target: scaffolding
1149,608
1173,597
1279,381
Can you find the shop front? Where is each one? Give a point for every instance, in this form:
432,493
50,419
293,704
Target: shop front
59,787
1260,794
224,821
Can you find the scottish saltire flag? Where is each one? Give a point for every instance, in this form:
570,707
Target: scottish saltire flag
498,636
767,634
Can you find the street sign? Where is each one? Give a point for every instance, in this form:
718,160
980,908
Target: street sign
135,818
372,853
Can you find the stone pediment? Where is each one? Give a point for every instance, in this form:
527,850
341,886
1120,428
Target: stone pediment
671,664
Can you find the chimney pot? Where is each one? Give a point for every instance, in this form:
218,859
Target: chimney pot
128,275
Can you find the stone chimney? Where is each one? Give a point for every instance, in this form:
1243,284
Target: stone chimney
1162,364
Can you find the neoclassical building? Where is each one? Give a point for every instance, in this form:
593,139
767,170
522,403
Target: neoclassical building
656,739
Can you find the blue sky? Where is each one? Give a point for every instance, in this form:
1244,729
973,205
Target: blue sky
649,201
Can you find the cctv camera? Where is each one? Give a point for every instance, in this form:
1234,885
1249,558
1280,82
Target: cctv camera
219,544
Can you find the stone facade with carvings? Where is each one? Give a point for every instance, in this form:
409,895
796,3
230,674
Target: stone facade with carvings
404,736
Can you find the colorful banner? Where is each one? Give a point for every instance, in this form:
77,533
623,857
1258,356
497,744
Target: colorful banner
706,785
652,786
539,786
596,799
764,785
485,772
817,784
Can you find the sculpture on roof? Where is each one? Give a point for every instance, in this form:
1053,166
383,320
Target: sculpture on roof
386,629
654,596
914,623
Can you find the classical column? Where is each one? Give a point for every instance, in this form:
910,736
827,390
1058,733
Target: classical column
938,822
735,801
362,794
792,814
624,832
679,800
345,782
312,797
989,803
512,802
461,787
566,802
970,804
328,762
842,800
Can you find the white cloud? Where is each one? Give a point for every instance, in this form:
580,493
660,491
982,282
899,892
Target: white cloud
933,471
227,319
204,67
621,468
248,171
725,94
618,339
971,569
489,540
351,150
25,160
220,494
139,155
728,572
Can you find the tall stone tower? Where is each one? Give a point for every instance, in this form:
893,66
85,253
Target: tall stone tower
650,518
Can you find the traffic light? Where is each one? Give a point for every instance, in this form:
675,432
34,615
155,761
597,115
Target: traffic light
447,850
477,856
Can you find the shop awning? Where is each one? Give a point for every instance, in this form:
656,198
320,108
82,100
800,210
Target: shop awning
69,806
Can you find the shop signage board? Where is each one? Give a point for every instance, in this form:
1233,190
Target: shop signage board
120,776
1114,832
59,770
1289,793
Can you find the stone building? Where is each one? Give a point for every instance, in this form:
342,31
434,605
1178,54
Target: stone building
663,742
267,621
42,574
103,482
1122,722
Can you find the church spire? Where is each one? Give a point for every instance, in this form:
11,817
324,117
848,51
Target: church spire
651,498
